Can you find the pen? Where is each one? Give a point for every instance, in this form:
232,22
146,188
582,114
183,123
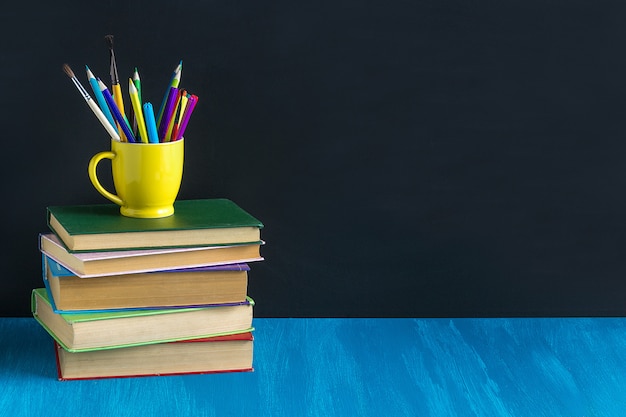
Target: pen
92,104
99,97
174,81
121,120
148,112
134,99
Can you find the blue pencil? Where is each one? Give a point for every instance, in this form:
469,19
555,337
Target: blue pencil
148,115
99,97
121,120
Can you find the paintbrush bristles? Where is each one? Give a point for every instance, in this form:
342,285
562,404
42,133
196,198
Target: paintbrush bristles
68,71
115,79
79,86
109,40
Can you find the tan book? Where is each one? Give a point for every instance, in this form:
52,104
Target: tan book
170,288
93,264
232,353
77,332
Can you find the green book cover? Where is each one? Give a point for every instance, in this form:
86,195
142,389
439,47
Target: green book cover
194,223
75,318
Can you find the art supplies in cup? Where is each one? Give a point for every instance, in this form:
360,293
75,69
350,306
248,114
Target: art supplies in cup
147,151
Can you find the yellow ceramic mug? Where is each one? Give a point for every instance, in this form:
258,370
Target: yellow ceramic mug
146,176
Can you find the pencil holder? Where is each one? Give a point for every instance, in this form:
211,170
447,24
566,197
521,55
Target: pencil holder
146,176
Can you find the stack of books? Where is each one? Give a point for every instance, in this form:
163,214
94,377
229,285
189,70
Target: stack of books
129,297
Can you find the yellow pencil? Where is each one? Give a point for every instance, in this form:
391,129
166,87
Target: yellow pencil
134,100
184,98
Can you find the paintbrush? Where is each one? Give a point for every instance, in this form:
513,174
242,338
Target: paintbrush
116,89
92,104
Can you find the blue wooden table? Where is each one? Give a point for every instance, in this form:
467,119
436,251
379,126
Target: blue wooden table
353,367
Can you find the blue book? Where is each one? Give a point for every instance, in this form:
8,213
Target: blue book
174,288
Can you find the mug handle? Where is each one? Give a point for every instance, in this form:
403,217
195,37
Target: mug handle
94,178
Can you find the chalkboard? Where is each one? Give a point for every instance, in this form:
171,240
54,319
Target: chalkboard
408,158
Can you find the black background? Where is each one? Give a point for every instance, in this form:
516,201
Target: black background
408,158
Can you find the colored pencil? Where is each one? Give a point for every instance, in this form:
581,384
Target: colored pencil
169,106
184,98
137,84
138,111
191,105
121,120
92,104
173,116
99,97
174,81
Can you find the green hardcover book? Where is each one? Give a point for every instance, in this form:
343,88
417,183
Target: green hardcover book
115,329
201,222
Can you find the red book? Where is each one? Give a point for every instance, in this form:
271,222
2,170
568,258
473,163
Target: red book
231,353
